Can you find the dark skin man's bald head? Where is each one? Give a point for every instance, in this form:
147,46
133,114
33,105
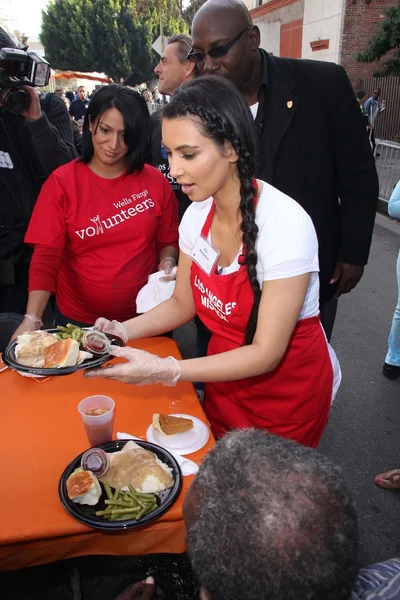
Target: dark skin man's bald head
217,23
233,10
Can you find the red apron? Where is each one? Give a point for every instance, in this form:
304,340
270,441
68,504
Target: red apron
294,399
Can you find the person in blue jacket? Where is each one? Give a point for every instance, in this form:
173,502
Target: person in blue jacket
391,367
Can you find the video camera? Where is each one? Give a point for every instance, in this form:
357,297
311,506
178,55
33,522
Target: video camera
18,68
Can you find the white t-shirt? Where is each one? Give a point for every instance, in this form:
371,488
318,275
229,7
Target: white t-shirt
254,109
286,243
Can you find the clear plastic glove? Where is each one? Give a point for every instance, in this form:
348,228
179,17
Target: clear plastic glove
142,368
112,327
30,323
167,265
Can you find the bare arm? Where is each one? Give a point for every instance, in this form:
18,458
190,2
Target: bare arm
280,307
37,302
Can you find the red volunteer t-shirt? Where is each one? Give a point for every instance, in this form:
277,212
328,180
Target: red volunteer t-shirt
107,232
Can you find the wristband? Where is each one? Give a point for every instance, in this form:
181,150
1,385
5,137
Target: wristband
35,320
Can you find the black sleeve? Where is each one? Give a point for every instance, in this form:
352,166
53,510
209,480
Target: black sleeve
357,180
155,138
52,137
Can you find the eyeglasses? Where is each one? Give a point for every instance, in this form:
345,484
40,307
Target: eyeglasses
217,52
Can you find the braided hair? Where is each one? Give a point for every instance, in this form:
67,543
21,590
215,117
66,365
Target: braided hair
224,116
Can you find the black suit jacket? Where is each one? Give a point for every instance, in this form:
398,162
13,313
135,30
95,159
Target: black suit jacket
313,146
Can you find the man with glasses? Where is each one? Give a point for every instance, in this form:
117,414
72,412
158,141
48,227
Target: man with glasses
311,139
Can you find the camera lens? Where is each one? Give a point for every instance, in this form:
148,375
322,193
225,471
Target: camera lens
14,100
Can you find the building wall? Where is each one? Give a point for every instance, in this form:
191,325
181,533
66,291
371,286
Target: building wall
322,27
360,24
288,16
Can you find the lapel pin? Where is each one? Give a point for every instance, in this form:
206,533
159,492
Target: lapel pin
289,103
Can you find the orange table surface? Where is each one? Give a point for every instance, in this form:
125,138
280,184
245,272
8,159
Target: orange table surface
41,432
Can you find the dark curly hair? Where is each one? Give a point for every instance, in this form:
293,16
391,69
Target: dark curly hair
224,116
269,519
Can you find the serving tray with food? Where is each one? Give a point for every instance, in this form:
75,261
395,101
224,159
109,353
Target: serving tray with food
120,485
59,351
183,434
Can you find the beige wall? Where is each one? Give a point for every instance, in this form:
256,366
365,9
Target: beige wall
323,21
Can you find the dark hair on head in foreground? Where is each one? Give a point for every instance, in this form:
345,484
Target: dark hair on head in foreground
272,520
224,116
136,117
360,94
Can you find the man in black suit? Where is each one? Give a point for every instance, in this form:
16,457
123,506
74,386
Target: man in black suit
312,140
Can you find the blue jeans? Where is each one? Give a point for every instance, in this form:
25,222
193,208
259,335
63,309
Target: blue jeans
393,355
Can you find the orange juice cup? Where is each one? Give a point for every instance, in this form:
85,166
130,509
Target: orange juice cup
97,414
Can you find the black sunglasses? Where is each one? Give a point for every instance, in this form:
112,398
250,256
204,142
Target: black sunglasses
217,52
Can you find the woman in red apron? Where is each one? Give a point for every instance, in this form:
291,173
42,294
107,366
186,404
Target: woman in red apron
247,268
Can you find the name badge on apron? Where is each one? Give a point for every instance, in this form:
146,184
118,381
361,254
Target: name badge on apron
204,255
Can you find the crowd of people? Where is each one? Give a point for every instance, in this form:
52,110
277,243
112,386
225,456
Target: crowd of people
268,211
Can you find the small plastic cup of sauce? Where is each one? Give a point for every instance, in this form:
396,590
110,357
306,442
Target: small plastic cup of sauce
96,342
95,460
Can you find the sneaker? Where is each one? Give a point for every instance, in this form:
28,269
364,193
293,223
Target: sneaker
390,371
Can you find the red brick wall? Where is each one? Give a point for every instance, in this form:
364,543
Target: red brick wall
361,22
291,39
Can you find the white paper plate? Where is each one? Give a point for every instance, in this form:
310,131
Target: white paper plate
181,443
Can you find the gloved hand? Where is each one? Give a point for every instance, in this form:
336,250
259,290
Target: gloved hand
30,323
142,368
167,265
112,327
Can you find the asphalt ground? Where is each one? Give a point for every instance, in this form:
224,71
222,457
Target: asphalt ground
363,431
362,437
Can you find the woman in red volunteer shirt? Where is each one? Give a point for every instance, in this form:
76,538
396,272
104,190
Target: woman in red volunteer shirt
249,268
102,224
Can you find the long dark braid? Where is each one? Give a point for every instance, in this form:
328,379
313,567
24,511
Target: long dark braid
245,166
215,127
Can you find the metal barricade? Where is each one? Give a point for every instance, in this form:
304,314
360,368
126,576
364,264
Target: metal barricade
387,162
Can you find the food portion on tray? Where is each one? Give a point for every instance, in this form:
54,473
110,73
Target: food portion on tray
125,484
41,349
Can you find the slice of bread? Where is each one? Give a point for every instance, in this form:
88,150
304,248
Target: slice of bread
61,354
169,425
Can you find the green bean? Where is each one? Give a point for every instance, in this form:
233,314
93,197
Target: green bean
116,511
108,491
126,505
70,326
147,509
125,517
63,329
117,503
141,495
